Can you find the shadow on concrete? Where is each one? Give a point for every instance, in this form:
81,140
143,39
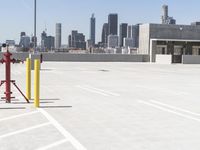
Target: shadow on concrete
48,99
31,102
8,108
46,69
12,100
55,106
103,70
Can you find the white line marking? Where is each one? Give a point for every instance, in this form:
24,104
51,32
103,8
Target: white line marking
62,130
163,90
91,90
24,130
171,111
176,108
17,116
107,92
53,145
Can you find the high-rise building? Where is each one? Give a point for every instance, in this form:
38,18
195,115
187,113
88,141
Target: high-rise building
58,35
92,29
104,36
22,34
47,42
113,41
165,19
135,35
133,32
77,40
129,31
50,40
165,13
112,24
70,41
43,40
25,42
123,33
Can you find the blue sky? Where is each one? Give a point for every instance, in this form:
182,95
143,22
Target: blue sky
17,15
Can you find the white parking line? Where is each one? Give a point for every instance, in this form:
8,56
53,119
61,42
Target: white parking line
17,116
24,130
107,92
92,90
169,110
176,108
53,145
62,130
164,90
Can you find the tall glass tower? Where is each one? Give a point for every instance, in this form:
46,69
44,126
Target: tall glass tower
92,29
58,35
113,24
123,33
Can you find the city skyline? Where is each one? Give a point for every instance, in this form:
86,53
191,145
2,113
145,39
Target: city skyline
75,15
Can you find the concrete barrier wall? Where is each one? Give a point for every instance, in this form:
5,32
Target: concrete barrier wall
21,56
164,59
95,57
86,57
191,59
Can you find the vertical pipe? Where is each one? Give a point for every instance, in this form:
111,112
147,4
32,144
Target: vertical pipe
37,83
28,78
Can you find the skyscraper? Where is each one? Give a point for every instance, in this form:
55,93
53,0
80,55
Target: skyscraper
43,40
112,24
123,33
50,40
165,13
58,35
25,42
129,31
133,32
165,19
104,36
47,42
92,29
76,40
23,34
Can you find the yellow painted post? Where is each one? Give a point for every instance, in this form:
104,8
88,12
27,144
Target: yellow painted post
28,78
37,83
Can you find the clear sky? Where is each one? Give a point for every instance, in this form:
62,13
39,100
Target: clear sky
17,15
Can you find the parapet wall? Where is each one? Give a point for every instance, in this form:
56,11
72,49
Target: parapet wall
191,59
86,57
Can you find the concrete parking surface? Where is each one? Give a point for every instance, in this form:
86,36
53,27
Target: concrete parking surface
105,106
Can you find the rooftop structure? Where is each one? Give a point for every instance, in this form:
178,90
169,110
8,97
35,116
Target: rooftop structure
169,39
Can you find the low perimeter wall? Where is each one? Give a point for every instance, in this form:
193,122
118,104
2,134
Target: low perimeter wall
21,56
86,57
164,59
191,59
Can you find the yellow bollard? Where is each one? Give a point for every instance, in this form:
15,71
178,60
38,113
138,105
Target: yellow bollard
28,78
37,83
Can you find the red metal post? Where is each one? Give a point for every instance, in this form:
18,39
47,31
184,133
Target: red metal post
7,60
7,63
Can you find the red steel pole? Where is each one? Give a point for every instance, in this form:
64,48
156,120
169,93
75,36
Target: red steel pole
7,83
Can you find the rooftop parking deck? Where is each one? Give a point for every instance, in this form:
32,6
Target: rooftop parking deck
105,106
